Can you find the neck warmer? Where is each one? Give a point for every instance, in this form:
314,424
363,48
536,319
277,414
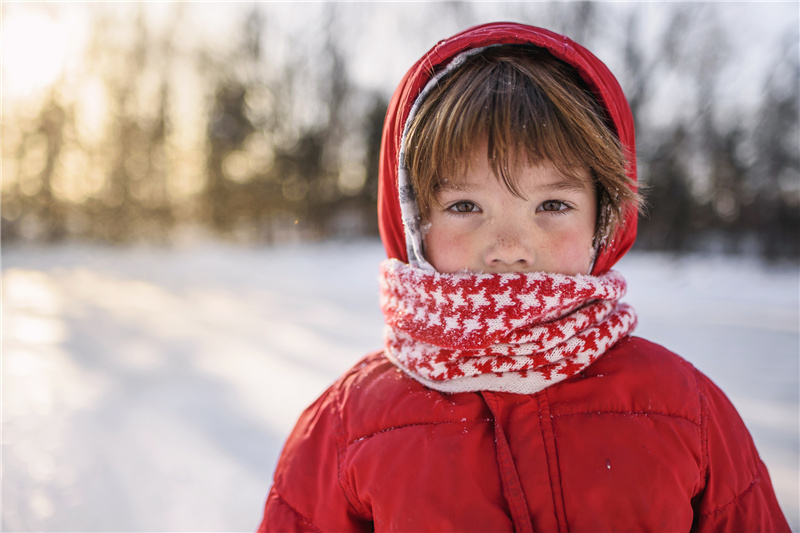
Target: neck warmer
515,332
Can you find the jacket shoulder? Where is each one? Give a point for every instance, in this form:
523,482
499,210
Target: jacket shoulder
635,376
309,464
734,491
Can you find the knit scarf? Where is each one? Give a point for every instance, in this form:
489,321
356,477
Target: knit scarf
516,332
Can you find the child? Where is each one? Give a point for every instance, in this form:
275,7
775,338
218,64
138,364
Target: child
510,394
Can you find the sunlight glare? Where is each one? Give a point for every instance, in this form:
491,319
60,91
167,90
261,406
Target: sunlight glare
34,52
31,291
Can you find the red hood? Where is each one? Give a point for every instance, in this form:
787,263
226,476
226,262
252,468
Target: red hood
591,69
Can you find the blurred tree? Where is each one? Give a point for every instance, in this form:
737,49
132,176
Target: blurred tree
717,141
41,214
668,221
374,133
775,176
313,129
228,128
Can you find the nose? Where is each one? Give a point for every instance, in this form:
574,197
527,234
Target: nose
510,251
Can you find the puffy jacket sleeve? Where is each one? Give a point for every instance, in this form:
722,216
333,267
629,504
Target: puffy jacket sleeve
737,494
306,494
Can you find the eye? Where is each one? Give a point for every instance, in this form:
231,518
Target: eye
463,207
553,205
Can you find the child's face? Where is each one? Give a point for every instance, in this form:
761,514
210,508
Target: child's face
483,227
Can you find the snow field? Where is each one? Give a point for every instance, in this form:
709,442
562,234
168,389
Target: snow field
150,389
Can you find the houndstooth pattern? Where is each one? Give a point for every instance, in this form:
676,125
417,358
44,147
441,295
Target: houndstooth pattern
516,332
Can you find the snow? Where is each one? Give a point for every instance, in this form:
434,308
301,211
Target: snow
151,389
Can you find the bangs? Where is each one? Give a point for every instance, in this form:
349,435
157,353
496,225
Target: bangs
506,115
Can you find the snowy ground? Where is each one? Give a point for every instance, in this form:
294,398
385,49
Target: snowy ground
152,389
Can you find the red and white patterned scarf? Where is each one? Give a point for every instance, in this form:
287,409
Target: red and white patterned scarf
517,332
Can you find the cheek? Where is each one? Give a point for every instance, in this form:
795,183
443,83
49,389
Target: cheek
447,248
573,250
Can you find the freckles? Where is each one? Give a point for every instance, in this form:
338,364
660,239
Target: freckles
449,242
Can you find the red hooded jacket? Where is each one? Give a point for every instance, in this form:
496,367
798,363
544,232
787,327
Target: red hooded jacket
638,441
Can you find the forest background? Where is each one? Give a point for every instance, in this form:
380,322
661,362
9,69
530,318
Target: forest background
260,123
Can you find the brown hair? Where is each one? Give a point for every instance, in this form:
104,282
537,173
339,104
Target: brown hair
528,107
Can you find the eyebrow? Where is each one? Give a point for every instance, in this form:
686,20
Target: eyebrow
566,184
457,186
